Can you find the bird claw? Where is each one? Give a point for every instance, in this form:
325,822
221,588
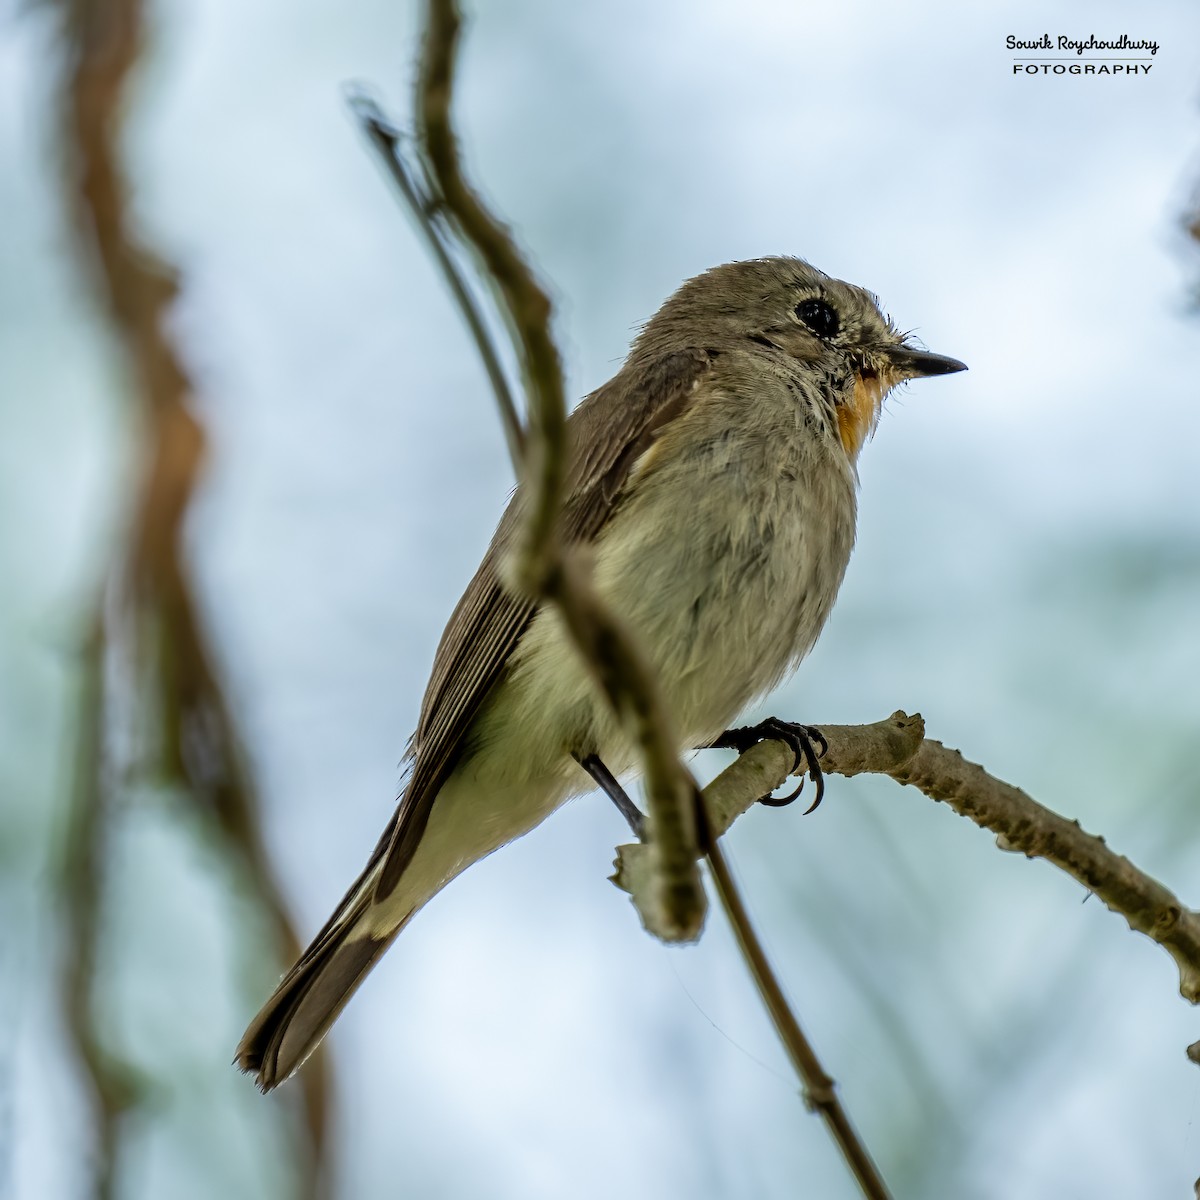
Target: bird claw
803,740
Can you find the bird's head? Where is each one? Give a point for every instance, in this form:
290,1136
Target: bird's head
782,308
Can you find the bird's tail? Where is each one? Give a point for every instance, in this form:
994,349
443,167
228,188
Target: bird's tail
293,1021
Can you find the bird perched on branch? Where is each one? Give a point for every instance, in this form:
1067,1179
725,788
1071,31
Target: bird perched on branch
713,479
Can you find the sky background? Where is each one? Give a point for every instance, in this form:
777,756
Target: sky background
1027,576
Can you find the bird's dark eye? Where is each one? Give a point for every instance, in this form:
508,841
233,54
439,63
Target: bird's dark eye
819,317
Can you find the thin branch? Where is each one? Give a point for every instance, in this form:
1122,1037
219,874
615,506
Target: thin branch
898,747
416,192
820,1091
540,566
758,771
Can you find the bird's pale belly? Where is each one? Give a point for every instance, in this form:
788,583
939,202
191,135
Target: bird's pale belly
725,608
724,593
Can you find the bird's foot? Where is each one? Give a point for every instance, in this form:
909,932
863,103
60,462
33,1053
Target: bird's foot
803,740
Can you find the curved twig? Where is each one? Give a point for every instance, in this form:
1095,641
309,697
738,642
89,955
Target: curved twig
418,198
541,566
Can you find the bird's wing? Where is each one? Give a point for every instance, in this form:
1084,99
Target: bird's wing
606,434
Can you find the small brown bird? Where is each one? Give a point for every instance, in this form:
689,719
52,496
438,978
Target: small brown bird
714,478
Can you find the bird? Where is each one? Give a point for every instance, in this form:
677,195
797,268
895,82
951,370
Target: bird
713,484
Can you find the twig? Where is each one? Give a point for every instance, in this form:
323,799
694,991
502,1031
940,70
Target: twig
416,191
758,771
540,566
820,1091
898,747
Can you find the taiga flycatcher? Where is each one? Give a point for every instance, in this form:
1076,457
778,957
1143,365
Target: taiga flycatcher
714,479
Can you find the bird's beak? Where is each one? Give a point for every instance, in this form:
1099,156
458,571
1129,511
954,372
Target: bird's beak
915,364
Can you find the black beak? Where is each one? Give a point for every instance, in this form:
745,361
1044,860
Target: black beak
918,363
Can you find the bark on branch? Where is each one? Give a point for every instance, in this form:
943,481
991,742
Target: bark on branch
898,747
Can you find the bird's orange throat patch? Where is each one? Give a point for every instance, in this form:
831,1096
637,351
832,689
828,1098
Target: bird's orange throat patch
859,415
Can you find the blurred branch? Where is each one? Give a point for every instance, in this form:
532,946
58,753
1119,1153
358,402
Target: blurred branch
1191,227
899,748
199,744
115,1086
541,567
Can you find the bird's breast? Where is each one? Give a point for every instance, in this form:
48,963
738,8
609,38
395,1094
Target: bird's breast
726,555
723,557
